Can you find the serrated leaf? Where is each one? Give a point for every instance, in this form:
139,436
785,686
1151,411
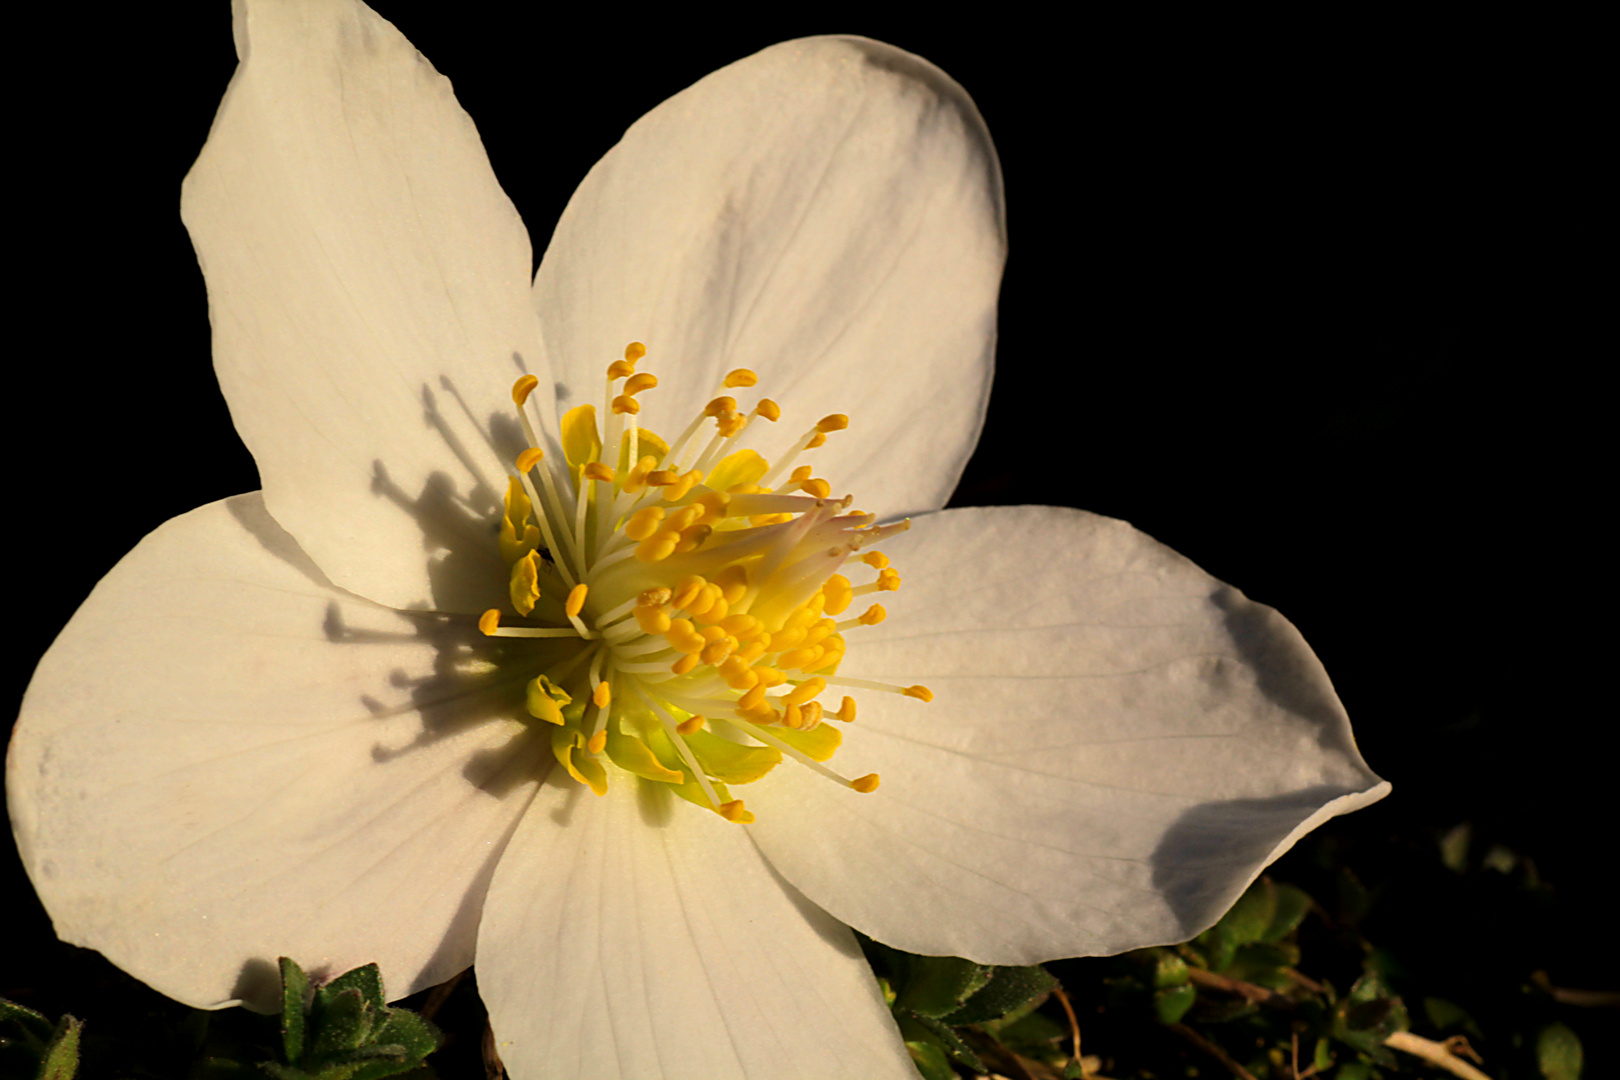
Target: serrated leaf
947,1037
1558,1053
34,1025
1293,904
61,1060
418,1036
1005,989
367,980
337,1022
1171,1003
1323,1057
936,985
1262,962
294,995
1032,1030
1251,915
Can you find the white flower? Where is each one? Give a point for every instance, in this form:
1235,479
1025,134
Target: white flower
274,728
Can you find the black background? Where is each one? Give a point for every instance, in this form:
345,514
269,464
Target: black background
1303,298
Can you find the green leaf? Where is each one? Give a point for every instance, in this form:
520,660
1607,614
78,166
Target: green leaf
1172,1003
62,1056
1168,969
1445,1014
1252,915
1005,989
1323,1057
1354,1070
1293,904
367,980
1032,1030
947,1037
1558,1053
418,1036
939,984
930,1060
294,999
337,1022
1367,1016
1454,847
34,1025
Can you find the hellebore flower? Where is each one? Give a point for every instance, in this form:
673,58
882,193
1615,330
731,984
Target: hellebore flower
487,668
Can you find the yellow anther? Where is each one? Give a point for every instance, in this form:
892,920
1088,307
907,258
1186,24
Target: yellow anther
716,652
524,584
596,742
770,676
846,711
691,725
490,621
644,522
734,811
677,491
836,422
713,633
634,351
920,692
819,632
685,664
873,615
812,711
865,784
796,658
656,596
818,439
800,475
769,409
733,582
731,423
875,559
760,713
529,458
786,638
598,471
792,716
687,591
714,504
805,691
720,405
603,696
742,627
635,384
888,580
652,620
626,404
523,388
657,547
684,518
752,650
576,599
621,369
818,488
753,697
737,673
660,477
741,377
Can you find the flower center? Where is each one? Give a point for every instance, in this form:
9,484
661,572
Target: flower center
684,610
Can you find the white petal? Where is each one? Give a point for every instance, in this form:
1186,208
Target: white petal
826,212
1118,744
368,290
637,937
223,759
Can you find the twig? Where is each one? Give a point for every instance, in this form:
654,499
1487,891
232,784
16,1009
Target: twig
1257,994
1564,995
1437,1054
1213,1051
1074,1024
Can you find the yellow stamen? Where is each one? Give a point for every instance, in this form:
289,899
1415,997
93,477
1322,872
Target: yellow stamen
523,388
846,711
529,458
634,351
603,696
597,742
875,559
805,691
720,405
920,692
819,488
644,522
626,404
685,664
769,409
637,383
489,621
576,600
835,422
874,615
741,377
865,784
735,811
621,369
691,726
598,471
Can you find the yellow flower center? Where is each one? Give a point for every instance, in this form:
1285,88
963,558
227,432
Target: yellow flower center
683,608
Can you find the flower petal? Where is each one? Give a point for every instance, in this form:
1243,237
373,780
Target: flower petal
223,759
636,937
368,290
1117,745
827,212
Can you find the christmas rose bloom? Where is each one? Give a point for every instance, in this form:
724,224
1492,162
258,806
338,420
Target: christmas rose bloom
621,669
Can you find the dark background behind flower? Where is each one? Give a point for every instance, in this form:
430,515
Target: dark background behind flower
1297,298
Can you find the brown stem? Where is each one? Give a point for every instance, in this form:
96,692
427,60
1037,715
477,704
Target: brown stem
1213,1051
